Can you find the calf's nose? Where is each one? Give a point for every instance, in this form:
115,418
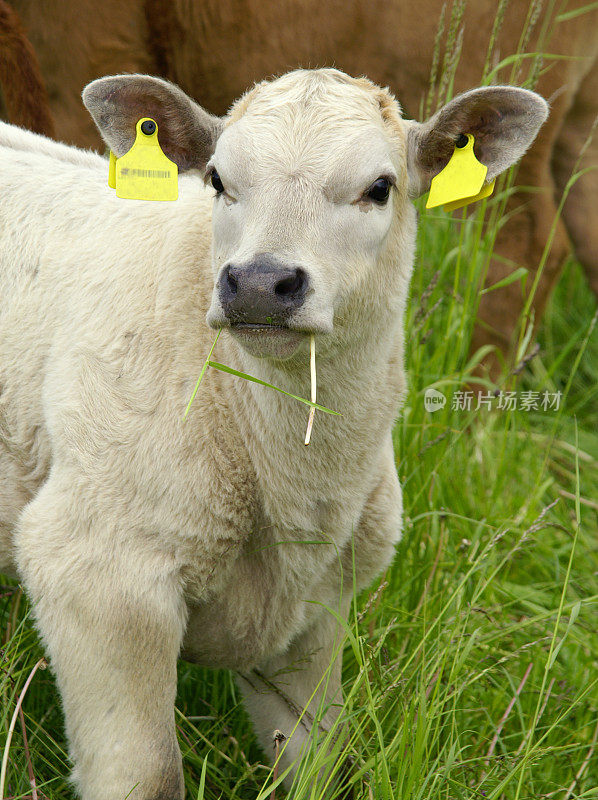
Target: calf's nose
261,292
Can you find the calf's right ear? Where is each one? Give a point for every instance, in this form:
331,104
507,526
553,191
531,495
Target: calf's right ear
187,134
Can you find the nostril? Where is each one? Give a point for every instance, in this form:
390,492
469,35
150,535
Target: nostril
232,282
292,285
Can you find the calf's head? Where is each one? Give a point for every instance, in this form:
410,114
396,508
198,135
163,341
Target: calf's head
312,174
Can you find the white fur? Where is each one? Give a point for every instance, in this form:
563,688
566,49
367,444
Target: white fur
138,534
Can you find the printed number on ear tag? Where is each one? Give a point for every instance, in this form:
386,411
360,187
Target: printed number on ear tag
145,173
462,180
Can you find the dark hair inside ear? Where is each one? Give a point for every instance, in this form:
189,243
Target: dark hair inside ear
186,132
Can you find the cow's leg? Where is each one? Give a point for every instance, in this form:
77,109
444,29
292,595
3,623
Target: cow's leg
108,605
283,687
580,212
531,219
305,678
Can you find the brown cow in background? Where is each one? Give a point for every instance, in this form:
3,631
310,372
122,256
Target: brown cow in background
214,49
25,96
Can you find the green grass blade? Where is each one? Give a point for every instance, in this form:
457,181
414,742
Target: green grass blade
520,272
245,376
201,374
202,780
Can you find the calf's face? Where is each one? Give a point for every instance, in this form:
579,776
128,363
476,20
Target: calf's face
304,200
312,175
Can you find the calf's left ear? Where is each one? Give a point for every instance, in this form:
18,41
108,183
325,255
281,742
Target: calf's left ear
186,132
504,121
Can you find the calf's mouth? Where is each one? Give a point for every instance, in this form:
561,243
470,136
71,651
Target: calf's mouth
268,339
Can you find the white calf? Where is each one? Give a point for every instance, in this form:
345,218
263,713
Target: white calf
139,535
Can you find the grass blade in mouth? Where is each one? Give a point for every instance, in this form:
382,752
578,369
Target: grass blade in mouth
201,374
223,368
231,371
312,368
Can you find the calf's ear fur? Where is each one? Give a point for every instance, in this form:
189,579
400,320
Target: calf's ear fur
187,133
504,121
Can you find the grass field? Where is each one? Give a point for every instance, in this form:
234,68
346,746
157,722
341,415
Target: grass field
471,667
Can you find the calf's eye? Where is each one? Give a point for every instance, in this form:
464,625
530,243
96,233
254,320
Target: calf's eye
216,182
379,190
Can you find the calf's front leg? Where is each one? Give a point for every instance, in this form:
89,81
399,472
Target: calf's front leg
108,605
288,691
298,690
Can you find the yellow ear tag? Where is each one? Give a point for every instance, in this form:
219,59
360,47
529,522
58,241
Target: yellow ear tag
145,173
462,180
112,171
485,191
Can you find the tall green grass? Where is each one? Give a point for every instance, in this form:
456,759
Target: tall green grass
471,667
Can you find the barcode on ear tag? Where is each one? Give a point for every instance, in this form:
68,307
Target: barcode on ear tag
145,172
